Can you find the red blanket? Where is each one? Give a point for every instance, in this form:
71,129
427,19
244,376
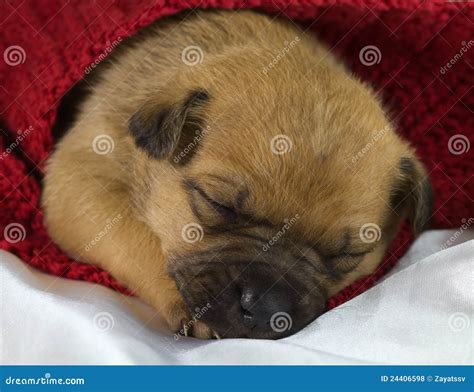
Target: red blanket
418,54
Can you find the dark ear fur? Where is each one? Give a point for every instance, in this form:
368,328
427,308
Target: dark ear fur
159,131
412,195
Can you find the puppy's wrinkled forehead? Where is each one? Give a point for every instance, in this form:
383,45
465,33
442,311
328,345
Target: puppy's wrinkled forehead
333,157
316,144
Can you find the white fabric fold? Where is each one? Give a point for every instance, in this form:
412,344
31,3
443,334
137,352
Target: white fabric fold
421,313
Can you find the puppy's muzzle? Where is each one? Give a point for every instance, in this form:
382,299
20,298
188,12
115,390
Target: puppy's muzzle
252,299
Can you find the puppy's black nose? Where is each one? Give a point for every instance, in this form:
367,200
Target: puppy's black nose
258,307
260,301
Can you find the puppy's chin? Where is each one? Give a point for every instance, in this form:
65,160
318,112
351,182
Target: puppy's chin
249,299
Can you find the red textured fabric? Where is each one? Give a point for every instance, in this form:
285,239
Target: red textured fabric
47,44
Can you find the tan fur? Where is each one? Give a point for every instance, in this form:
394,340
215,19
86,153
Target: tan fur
307,95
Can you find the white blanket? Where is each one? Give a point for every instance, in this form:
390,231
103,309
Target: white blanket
421,313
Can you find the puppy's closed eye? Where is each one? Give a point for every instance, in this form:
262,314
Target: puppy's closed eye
347,261
226,211
210,210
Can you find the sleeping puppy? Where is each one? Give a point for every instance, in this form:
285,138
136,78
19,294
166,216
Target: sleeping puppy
231,172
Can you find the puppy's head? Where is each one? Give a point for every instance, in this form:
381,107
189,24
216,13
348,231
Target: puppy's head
271,193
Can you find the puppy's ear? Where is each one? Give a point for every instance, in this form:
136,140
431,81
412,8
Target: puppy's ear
159,131
412,194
